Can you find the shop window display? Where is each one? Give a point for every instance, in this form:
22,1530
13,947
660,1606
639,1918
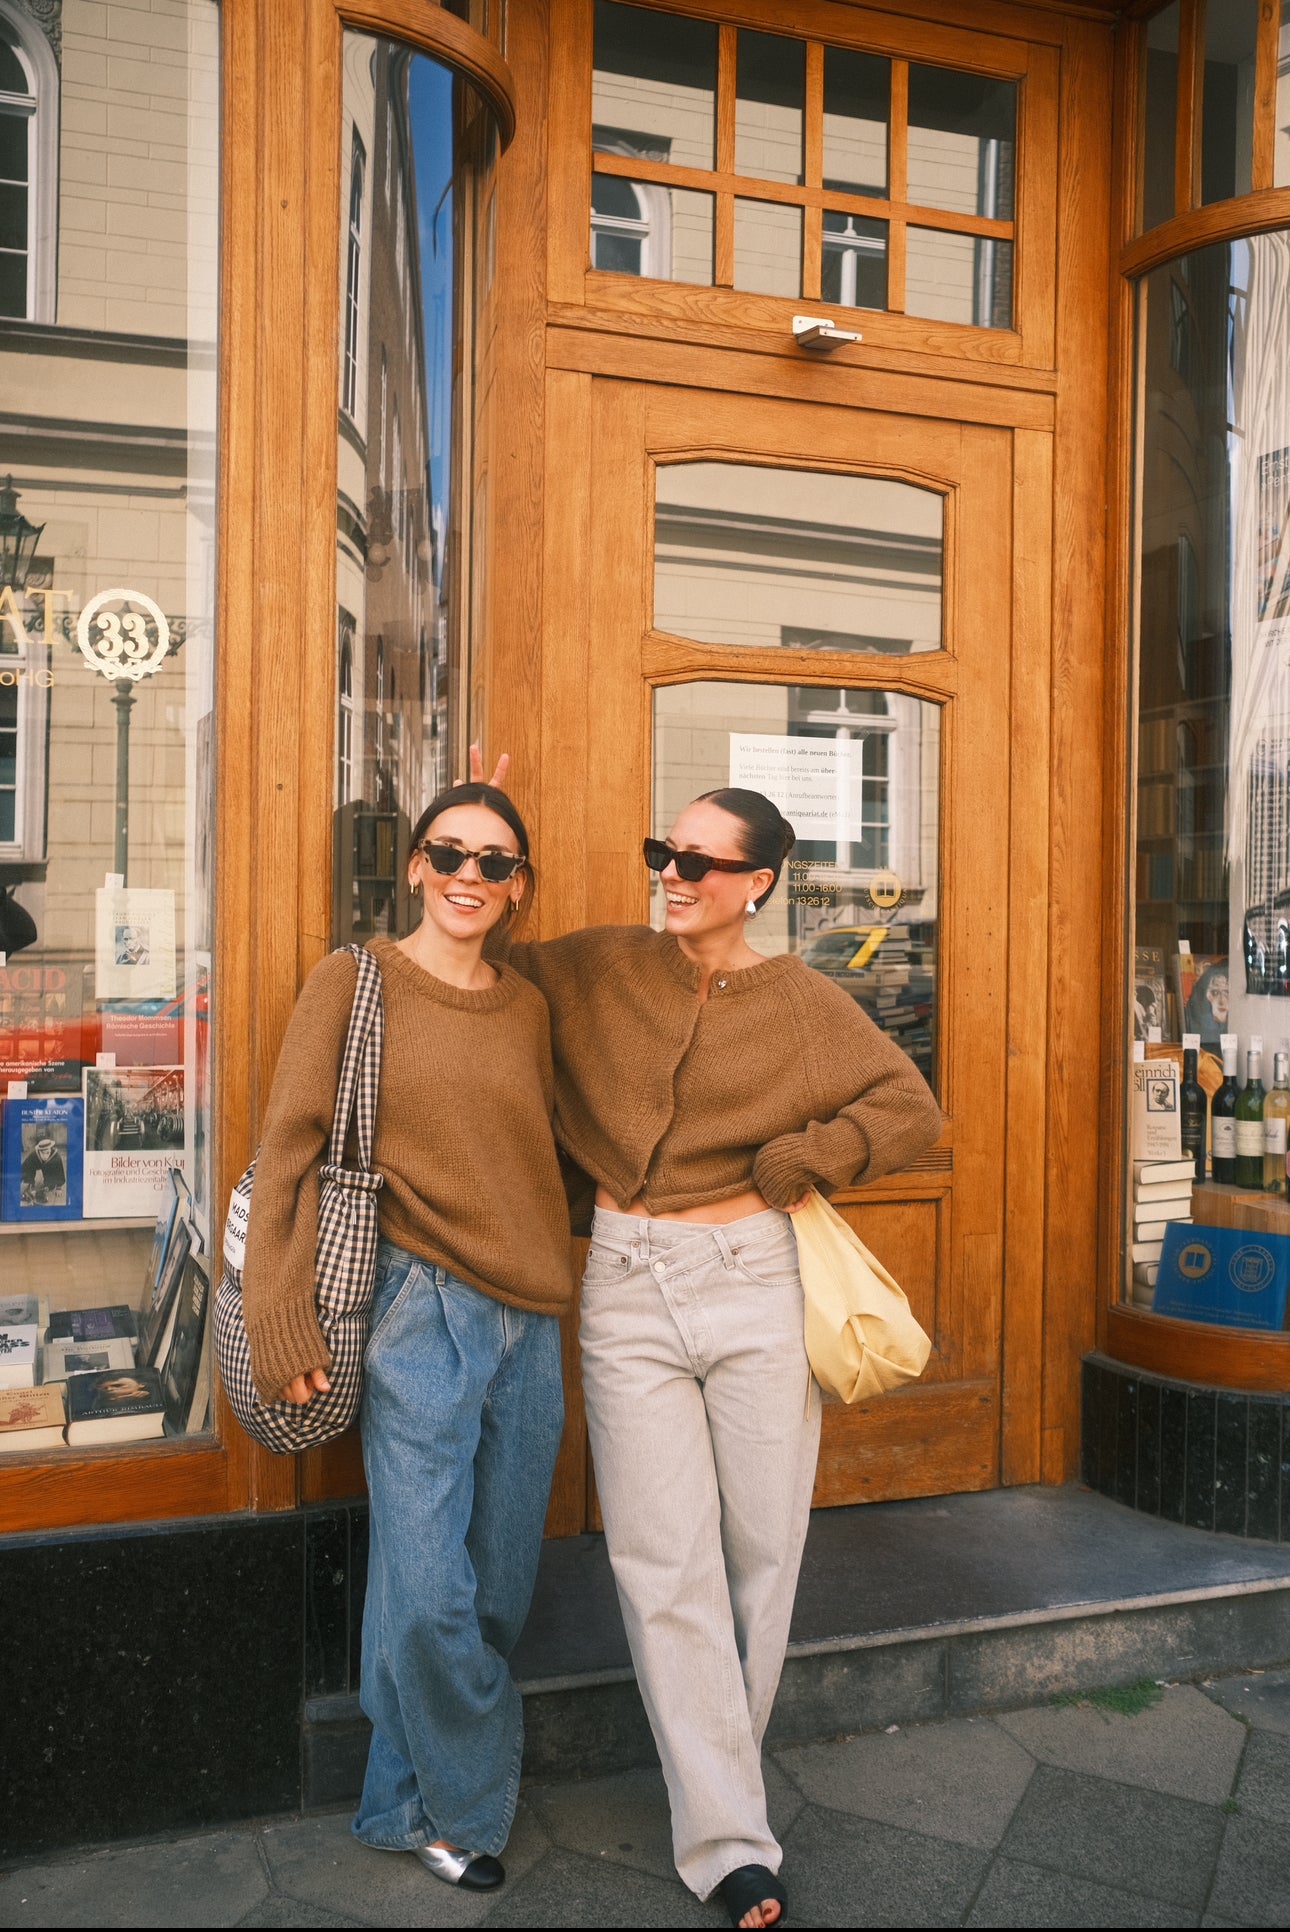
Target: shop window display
107,553
1208,1234
815,136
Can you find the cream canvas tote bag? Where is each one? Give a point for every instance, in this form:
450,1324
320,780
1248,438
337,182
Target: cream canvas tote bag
861,1336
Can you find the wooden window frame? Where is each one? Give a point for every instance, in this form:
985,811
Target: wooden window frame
279,365
1032,65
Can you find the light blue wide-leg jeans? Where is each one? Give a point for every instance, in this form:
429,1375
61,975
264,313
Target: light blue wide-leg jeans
462,1414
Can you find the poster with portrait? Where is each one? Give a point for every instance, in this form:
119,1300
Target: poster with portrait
41,1159
134,943
1150,999
134,1135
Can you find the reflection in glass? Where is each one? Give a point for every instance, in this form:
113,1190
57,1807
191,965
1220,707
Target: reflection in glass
1281,134
962,135
644,228
1160,115
416,305
857,774
1212,864
654,85
853,269
768,248
745,554
958,278
769,106
1227,104
107,689
857,96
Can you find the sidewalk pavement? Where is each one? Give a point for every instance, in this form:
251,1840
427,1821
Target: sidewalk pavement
1161,1806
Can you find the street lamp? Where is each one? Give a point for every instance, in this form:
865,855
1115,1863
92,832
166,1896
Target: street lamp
18,540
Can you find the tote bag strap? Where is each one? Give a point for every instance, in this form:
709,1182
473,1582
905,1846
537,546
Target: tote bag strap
360,1068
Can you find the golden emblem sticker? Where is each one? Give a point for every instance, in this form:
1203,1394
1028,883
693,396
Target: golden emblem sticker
885,890
1195,1261
123,634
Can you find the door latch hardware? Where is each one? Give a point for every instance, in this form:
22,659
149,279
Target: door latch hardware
817,332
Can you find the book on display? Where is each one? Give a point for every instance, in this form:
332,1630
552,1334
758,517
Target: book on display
1153,1173
31,1419
19,1342
115,1405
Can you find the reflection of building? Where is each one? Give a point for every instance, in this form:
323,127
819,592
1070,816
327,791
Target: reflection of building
391,638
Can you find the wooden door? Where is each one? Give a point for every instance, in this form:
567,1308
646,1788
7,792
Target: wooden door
765,462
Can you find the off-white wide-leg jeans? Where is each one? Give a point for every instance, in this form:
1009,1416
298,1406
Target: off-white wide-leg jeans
704,1424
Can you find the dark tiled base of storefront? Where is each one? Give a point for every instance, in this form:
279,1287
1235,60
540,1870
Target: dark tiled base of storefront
190,1674
1211,1458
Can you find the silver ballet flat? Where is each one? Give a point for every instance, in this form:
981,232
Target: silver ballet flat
476,1871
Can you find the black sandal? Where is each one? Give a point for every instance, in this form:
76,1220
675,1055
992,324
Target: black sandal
749,1886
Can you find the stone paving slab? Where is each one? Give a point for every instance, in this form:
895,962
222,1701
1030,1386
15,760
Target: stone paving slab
849,1871
1140,1840
1185,1745
1261,1697
960,1780
1253,1881
212,1880
1263,1789
1016,1894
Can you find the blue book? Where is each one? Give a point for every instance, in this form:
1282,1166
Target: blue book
42,1159
1227,1275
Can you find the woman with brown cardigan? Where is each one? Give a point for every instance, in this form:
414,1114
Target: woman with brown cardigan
705,1089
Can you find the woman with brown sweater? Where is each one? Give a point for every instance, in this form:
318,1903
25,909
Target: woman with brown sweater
462,1404
705,1089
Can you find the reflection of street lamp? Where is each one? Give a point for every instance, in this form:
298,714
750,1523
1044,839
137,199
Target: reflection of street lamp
125,637
18,540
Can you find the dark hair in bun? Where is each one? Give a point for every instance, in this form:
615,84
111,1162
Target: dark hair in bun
767,837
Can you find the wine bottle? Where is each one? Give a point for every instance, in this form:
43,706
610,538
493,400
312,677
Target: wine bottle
1249,1118
1276,1114
1193,1106
1222,1116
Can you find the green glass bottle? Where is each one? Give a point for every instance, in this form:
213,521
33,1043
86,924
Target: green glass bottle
1222,1117
1193,1106
1249,1119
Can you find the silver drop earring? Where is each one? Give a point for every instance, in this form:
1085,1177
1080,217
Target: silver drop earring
751,909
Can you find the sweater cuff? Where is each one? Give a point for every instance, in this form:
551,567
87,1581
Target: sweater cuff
286,1341
779,1173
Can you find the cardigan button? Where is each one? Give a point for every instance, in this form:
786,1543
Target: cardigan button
722,984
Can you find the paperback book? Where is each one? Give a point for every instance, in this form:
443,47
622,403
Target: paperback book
115,1405
62,1359
86,1325
157,1315
179,1377
1157,1133
41,1160
19,1342
31,1420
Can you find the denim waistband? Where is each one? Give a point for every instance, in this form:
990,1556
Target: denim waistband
633,1233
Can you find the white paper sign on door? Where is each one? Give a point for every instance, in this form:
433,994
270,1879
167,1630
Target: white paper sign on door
810,779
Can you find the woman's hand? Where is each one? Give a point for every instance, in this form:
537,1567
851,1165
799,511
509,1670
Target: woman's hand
477,767
303,1388
795,1207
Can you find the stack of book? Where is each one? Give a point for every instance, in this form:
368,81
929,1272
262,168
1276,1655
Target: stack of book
1162,1193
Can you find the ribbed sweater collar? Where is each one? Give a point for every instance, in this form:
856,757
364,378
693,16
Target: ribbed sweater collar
397,967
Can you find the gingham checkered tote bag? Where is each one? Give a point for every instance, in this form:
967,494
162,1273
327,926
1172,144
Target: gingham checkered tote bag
345,1269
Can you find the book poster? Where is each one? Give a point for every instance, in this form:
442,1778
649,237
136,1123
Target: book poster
41,1008
134,1135
40,1156
134,943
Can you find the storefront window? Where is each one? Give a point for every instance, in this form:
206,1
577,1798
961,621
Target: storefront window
1227,99
107,553
793,119
857,774
1160,114
1211,962
416,314
746,554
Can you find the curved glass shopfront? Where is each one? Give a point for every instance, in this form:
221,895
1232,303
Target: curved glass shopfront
1211,879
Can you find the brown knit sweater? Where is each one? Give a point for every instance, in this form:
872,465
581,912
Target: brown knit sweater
463,1139
777,1080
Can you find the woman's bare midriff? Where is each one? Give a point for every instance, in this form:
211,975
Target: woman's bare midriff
714,1213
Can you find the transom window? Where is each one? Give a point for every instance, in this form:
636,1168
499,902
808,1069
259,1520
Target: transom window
17,119
779,166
